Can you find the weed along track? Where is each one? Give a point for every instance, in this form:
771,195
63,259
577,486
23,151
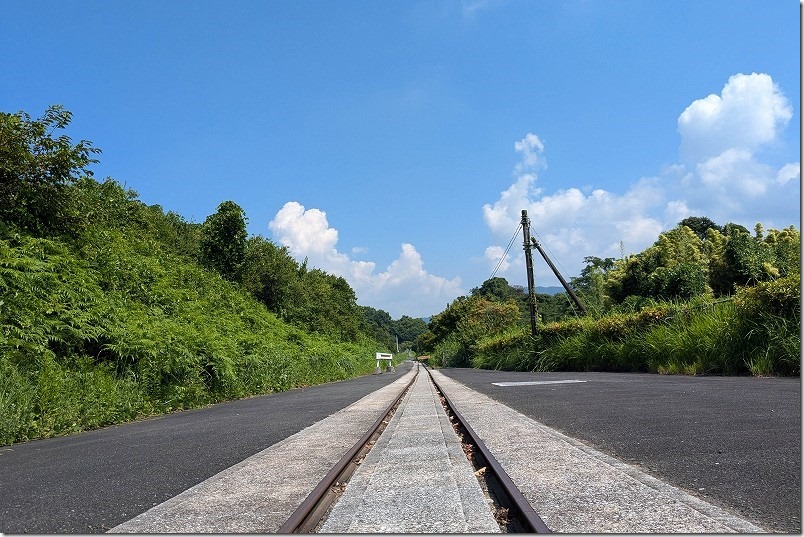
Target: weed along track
418,469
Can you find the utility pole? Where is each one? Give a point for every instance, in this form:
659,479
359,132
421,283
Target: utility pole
529,268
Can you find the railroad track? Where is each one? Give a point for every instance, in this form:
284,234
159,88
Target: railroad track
511,510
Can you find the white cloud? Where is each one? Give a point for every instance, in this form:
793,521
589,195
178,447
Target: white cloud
303,231
720,176
504,215
735,174
721,140
405,288
570,223
677,210
789,172
747,114
497,258
531,148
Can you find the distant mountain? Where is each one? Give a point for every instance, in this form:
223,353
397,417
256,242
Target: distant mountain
550,290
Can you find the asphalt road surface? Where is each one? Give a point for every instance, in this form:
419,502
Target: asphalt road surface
93,481
733,441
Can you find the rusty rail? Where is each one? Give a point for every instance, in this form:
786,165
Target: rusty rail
512,497
305,518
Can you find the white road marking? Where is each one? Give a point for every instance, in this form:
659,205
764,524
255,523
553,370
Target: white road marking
536,382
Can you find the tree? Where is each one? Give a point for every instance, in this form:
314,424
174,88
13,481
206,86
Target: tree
483,318
700,225
36,171
327,306
223,240
682,280
675,266
720,277
679,245
445,323
408,329
630,275
590,285
499,290
378,325
786,246
495,289
271,275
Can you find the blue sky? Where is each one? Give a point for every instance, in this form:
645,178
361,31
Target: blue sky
396,143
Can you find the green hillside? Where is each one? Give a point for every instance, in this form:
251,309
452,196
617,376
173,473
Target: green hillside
112,310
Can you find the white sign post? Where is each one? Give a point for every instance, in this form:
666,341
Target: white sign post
384,356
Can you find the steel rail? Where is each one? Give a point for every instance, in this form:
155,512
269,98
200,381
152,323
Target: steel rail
531,521
300,520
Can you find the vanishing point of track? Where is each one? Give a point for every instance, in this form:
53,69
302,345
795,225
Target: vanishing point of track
520,516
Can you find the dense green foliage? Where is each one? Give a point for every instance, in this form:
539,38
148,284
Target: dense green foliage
701,300
130,329
223,241
36,171
403,332
111,309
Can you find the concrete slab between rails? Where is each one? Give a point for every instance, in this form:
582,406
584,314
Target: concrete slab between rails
416,478
577,489
258,494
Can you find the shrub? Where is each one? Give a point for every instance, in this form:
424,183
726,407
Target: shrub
758,333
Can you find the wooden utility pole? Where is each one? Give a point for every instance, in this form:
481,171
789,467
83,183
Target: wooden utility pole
529,268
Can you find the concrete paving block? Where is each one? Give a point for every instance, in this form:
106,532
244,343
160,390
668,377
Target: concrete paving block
577,489
414,480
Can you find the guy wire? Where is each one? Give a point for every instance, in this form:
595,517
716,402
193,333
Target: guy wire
505,253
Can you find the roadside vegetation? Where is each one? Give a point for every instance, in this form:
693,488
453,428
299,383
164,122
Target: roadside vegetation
703,299
112,310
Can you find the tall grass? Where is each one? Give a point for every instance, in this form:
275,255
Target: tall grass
758,333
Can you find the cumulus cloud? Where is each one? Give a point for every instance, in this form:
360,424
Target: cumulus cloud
498,258
747,114
306,233
720,174
571,222
404,288
722,137
789,172
531,148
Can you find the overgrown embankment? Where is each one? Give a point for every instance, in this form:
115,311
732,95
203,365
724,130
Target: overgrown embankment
125,329
756,333
111,309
